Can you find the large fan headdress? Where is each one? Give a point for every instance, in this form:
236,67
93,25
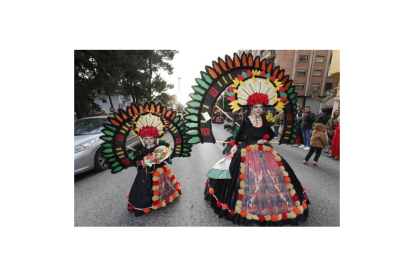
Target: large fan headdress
244,80
144,120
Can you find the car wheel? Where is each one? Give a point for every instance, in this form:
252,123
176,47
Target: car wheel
100,164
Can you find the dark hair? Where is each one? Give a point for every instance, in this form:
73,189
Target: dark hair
307,106
323,110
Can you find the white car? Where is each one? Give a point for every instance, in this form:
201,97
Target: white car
88,144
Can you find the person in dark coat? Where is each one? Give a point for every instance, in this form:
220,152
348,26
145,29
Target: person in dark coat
323,117
308,118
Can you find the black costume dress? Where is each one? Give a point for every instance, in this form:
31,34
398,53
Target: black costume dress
263,189
154,187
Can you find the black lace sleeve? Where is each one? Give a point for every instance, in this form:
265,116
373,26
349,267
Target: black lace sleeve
241,135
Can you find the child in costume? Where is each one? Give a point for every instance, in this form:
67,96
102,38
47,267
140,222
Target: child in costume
318,142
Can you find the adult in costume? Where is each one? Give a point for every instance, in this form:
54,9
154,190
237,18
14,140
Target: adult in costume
155,185
263,188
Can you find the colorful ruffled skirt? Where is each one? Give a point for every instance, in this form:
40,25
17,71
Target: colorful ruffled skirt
263,189
154,187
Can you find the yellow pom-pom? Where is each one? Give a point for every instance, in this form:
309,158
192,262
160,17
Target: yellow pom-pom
267,217
242,184
155,198
155,178
278,158
292,192
297,203
241,191
249,216
282,168
285,173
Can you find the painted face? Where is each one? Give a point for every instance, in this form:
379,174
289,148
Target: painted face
149,140
257,109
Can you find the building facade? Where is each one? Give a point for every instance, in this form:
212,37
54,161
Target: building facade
309,70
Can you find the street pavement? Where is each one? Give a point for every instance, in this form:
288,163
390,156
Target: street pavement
100,197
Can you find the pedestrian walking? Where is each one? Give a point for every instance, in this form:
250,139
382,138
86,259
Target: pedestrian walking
318,142
336,142
330,128
308,118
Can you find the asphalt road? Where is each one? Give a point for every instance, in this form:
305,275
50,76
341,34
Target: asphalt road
100,197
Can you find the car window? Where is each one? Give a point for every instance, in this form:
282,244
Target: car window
89,126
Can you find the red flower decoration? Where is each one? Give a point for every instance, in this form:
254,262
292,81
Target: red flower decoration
284,216
243,159
261,218
295,198
257,98
260,147
218,203
130,207
240,197
232,143
232,212
266,137
148,131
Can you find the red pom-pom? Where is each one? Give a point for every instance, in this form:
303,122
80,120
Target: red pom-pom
261,218
260,147
284,216
139,164
232,143
173,177
206,183
306,197
232,212
257,98
156,183
280,163
179,191
155,203
266,137
218,203
167,201
130,207
243,159
164,168
240,197
295,197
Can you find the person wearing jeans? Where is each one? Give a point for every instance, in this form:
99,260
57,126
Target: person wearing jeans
307,121
318,142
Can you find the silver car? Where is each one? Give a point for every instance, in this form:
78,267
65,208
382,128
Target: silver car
88,145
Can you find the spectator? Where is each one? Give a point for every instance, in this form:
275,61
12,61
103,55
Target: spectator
102,112
307,122
323,117
276,123
318,142
330,128
335,142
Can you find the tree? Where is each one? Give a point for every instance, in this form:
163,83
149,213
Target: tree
329,95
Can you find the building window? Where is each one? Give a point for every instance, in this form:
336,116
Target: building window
303,58
301,73
319,59
328,86
315,87
300,86
104,100
317,73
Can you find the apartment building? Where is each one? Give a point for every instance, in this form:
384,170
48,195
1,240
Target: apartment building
309,70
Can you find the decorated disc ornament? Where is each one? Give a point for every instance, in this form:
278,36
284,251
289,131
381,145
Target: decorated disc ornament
241,79
143,120
160,154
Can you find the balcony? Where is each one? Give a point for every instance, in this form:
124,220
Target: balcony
268,54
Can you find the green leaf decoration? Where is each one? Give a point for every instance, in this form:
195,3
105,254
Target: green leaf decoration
194,140
196,97
176,119
107,151
199,90
290,90
292,96
107,138
294,136
111,127
292,141
194,104
114,165
192,132
111,160
191,125
202,83
106,145
186,150
283,94
192,110
193,118
244,74
207,77
180,123
185,154
107,132
230,94
117,169
294,101
108,155
267,75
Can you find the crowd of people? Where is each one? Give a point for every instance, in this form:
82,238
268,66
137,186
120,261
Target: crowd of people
315,132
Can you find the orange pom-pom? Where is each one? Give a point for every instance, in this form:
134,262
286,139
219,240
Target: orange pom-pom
243,213
211,191
174,196
287,179
168,171
127,196
242,176
160,205
271,150
146,210
224,206
304,205
304,188
248,148
273,218
296,210
156,173
156,192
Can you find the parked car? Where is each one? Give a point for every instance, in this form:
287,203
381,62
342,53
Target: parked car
88,149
